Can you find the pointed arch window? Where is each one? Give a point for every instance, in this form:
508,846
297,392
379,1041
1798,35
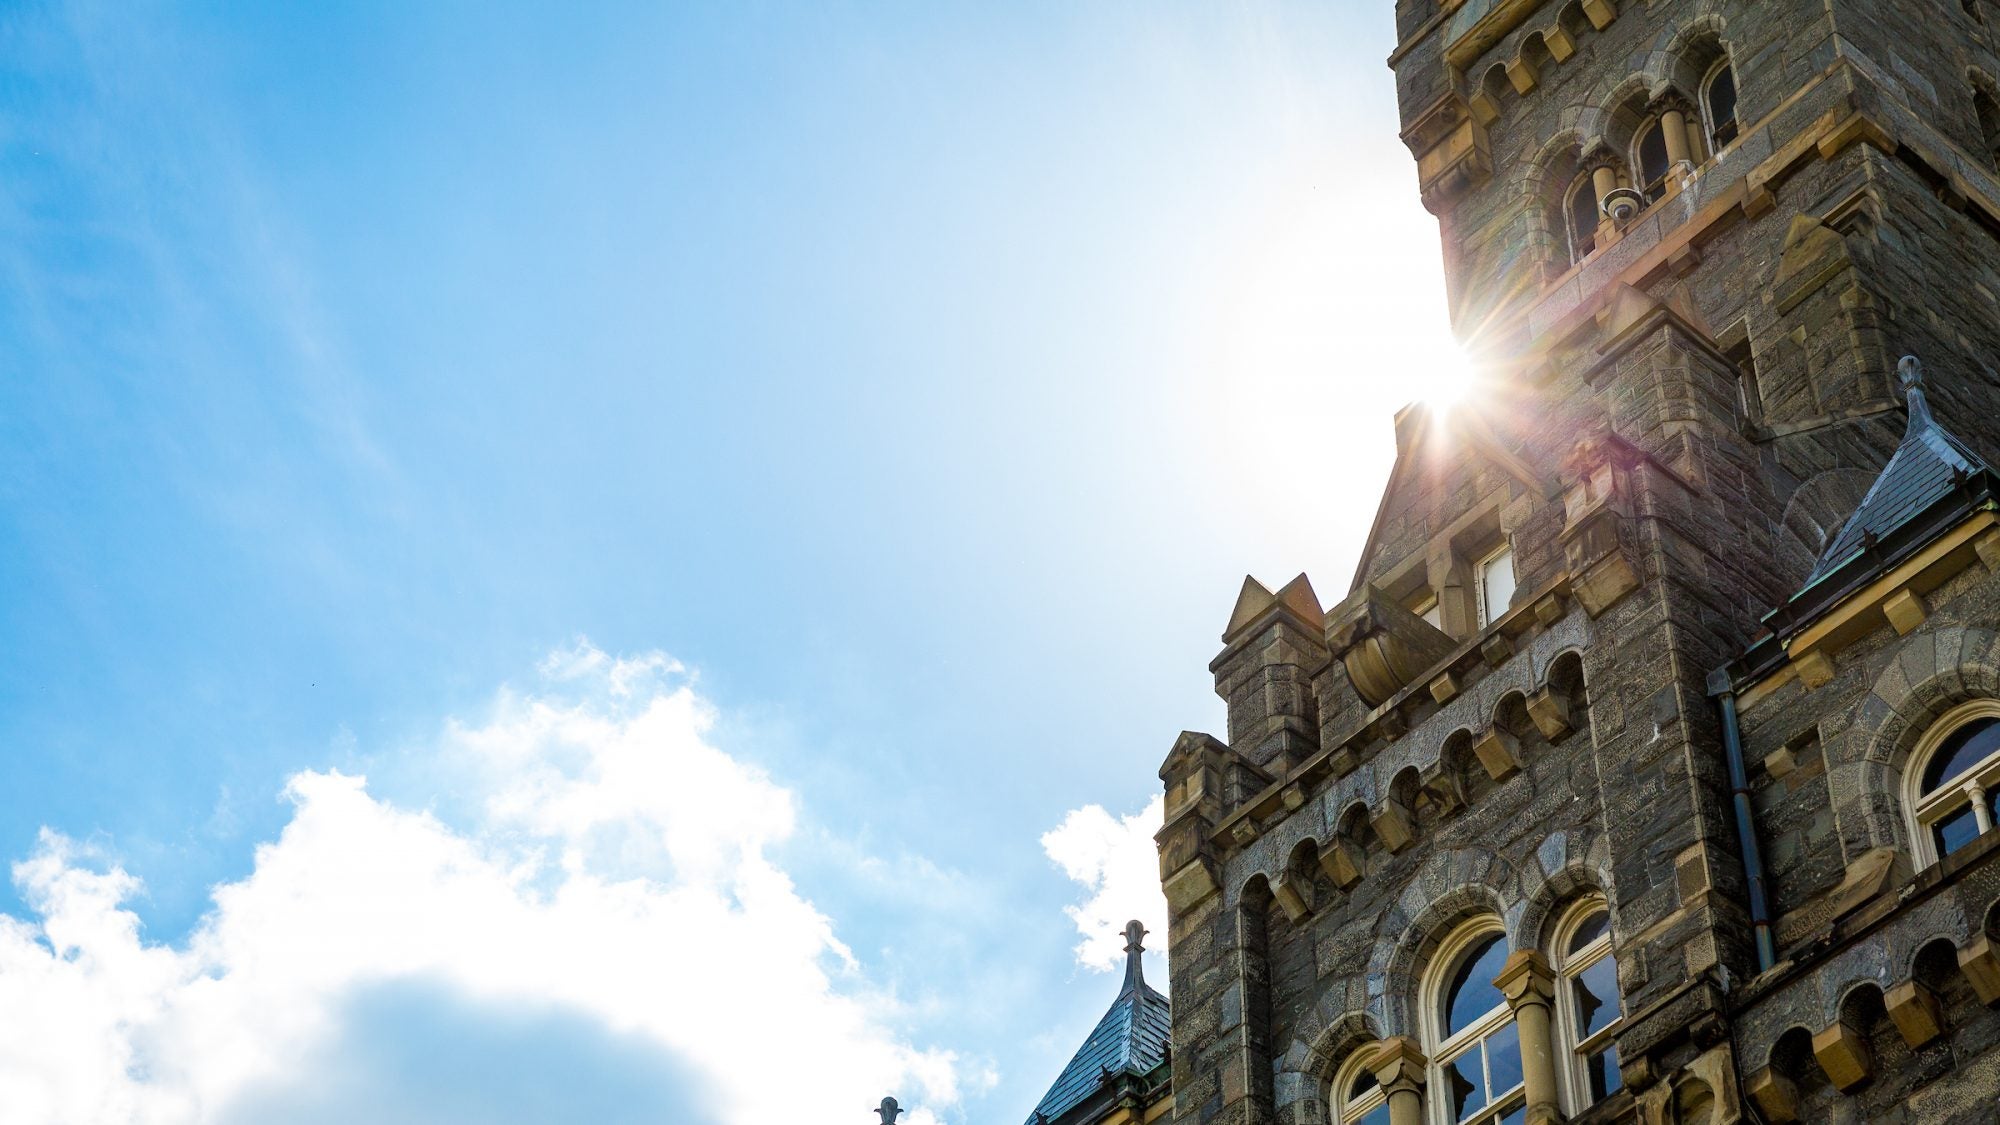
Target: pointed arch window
1358,1098
1952,789
1718,105
1469,1032
1587,1004
1987,109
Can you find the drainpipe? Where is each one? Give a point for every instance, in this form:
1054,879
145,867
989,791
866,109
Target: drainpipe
1724,692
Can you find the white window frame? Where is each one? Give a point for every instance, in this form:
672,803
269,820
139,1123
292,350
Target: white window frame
1708,122
1583,183
1655,190
1442,1051
1346,1110
1570,1050
1925,810
1487,613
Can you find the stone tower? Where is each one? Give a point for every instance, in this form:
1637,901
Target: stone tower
1646,769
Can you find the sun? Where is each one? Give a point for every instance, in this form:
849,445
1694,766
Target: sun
1443,376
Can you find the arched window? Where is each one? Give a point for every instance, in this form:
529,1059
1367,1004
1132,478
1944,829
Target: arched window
1358,1099
1469,1032
1650,157
1987,110
1587,1011
1953,787
1718,105
1580,214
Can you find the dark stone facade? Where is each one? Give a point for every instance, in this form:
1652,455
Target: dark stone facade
1684,415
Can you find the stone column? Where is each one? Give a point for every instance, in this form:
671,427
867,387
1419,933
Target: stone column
1400,1070
1530,990
1675,113
1603,181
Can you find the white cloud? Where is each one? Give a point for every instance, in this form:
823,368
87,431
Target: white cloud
1115,859
617,868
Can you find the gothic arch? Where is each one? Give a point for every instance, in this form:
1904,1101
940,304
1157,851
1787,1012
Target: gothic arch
1310,1062
1682,54
1477,882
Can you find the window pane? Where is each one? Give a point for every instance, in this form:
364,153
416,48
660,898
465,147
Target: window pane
1377,1116
1592,929
1955,831
1503,1059
1472,993
1496,584
1602,1069
1467,1093
1363,1082
1583,219
1596,992
1967,747
1516,1116
1722,101
1652,158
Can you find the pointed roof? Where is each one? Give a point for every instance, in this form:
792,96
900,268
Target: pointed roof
1131,1039
1925,468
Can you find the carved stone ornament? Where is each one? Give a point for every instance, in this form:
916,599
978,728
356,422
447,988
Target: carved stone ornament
1384,646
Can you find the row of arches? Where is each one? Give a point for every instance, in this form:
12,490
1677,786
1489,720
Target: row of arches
1468,766
1940,982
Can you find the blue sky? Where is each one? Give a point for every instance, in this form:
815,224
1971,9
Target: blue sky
920,379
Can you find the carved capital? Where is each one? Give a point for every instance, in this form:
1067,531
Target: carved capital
1525,979
1400,1064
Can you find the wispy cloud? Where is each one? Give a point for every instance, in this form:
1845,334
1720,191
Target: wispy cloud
616,874
1115,860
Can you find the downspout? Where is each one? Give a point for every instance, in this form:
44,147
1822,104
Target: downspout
1724,691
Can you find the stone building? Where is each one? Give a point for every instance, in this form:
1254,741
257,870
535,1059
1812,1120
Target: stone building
1645,770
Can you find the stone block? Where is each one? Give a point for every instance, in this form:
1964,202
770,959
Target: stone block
1905,611
1551,714
1394,826
1343,863
1815,669
1776,1096
1499,753
1292,897
1980,962
1194,882
1842,1052
1914,1009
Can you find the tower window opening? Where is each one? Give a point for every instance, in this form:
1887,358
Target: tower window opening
1496,584
1652,161
1987,109
1580,209
1718,96
1749,397
1956,770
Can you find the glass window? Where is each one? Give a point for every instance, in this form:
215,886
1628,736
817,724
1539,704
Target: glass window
1653,161
1582,213
1720,95
1957,771
1587,1005
1474,1045
1496,584
1358,1098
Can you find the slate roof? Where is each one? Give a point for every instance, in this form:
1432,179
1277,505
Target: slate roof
1131,1039
1925,468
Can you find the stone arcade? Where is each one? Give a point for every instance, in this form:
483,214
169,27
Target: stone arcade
1647,769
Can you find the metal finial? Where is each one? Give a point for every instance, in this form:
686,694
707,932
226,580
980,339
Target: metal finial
888,1111
1911,371
1135,948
